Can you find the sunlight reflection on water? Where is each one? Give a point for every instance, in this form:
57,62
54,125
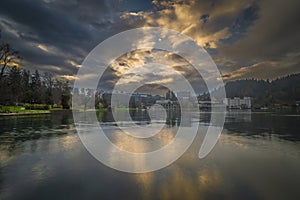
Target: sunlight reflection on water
255,159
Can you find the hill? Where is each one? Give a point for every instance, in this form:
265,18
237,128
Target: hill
282,91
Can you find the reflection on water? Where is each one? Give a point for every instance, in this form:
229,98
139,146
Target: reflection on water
257,157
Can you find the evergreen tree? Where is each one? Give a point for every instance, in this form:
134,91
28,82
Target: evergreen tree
49,82
25,85
36,86
65,96
14,84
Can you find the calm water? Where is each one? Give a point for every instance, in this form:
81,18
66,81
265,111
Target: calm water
257,157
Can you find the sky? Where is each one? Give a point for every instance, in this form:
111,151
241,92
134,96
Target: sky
245,38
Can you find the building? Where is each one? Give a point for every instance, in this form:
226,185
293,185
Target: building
135,100
238,103
183,95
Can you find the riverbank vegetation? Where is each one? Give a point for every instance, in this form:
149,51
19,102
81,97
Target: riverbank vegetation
24,91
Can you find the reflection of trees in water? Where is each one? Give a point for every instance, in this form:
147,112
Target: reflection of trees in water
65,120
16,130
179,118
173,117
248,123
238,116
23,128
281,125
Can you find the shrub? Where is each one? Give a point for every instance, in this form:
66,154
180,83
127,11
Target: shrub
36,106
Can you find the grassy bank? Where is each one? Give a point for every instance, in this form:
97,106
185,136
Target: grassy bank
20,110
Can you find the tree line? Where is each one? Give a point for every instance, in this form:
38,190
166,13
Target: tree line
20,86
283,91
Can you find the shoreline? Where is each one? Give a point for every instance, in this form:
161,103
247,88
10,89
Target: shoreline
34,113
20,114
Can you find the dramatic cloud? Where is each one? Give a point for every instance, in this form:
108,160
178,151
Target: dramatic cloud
247,39
237,33
271,45
269,69
56,35
131,69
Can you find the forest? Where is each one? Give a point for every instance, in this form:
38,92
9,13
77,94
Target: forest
32,90
284,91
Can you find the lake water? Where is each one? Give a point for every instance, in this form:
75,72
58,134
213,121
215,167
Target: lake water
256,157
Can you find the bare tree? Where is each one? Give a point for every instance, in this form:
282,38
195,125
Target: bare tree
8,56
49,80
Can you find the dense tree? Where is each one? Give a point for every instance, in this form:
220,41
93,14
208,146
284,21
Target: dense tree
36,86
65,96
48,83
14,84
22,86
25,85
282,91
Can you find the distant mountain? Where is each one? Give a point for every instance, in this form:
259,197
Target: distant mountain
282,91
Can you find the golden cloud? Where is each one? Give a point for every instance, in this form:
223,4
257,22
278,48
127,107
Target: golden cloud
185,17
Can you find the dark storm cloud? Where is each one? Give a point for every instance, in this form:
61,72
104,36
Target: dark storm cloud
49,25
269,47
51,33
273,35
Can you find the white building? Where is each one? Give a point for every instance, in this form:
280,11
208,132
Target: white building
238,103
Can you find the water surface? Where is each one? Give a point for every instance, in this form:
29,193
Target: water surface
257,157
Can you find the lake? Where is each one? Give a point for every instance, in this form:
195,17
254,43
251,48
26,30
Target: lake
256,157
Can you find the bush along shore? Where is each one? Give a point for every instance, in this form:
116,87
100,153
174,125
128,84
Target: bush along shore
28,109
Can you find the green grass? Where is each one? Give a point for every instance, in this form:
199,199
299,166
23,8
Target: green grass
18,109
124,109
56,109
